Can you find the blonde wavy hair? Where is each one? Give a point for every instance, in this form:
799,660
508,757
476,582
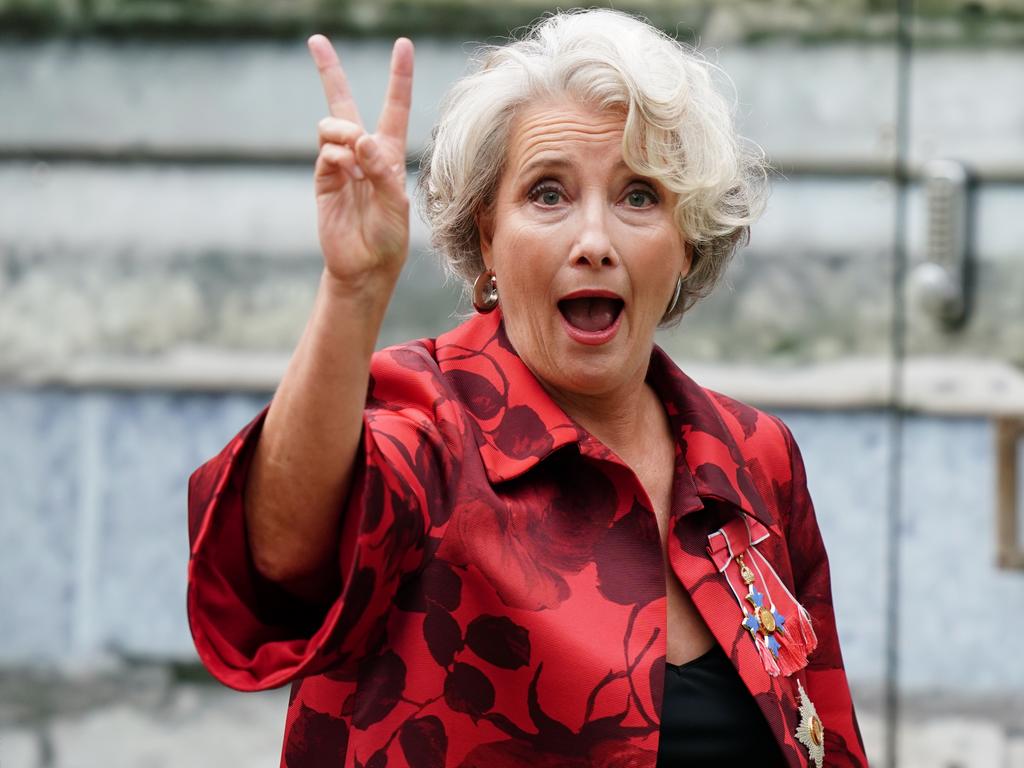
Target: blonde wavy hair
679,130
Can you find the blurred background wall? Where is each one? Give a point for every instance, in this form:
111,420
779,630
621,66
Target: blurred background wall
158,258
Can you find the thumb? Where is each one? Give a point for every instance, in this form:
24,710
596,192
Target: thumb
374,161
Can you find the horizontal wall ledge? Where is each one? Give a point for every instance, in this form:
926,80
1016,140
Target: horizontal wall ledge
783,166
951,386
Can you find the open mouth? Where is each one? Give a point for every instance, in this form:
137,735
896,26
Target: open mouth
591,314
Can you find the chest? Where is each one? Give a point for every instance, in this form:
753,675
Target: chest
655,473
539,623
568,563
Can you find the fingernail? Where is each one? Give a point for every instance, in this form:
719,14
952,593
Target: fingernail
358,172
369,148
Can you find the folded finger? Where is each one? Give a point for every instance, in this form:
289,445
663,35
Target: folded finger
334,130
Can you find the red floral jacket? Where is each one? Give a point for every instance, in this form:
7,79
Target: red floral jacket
503,593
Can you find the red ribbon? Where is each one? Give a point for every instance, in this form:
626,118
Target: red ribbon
735,542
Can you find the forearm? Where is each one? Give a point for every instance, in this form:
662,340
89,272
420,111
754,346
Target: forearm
303,463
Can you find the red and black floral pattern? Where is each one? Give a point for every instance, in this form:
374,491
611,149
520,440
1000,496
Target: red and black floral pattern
503,594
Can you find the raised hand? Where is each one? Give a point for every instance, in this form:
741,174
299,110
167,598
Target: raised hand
362,207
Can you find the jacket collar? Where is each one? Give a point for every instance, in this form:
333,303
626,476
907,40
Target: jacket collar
519,424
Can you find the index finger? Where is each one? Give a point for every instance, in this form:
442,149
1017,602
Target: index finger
394,117
339,96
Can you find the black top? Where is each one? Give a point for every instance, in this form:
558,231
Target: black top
709,718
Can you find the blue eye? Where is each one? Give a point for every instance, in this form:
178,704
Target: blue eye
640,198
546,194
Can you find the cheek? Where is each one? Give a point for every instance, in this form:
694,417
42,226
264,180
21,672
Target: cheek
672,250
526,257
514,236
657,277
529,235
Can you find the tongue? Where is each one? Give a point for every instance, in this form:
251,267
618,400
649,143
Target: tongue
593,314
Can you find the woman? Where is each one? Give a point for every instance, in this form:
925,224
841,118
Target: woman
533,540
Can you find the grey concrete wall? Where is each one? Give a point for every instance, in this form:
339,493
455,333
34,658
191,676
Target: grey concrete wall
207,237
157,238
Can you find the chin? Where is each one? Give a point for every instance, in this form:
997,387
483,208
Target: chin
590,377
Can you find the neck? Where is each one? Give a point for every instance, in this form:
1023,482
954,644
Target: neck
620,419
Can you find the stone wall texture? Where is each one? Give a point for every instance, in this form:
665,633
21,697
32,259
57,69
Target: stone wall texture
158,197
970,22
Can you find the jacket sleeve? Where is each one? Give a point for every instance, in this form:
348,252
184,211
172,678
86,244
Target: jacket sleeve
252,635
826,682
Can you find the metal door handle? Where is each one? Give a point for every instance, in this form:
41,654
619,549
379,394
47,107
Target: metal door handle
939,284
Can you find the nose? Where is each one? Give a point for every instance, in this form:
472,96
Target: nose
592,246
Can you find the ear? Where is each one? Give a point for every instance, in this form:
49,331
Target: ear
485,230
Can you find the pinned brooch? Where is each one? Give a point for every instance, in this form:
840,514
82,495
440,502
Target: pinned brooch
810,732
779,626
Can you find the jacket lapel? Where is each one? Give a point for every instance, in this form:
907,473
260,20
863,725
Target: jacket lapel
516,423
712,475
717,606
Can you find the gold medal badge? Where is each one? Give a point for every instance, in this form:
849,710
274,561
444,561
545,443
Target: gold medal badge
810,732
779,626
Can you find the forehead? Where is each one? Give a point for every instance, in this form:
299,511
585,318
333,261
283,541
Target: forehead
564,129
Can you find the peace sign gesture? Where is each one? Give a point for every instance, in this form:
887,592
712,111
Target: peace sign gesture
362,207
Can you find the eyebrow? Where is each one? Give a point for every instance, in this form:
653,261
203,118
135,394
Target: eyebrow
545,161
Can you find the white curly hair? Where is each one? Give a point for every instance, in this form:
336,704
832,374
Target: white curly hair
679,130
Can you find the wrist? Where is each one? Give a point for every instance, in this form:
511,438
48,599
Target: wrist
367,291
349,312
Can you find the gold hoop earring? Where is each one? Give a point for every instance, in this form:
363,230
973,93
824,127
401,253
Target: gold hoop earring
485,292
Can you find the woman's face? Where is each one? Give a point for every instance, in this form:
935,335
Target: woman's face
585,251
